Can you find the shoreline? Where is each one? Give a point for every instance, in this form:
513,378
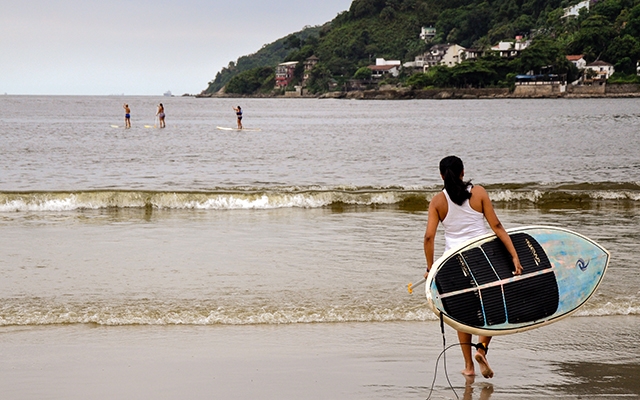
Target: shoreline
580,357
393,93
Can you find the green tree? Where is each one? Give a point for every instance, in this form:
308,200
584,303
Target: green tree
419,81
249,82
473,74
542,56
593,37
319,79
623,52
631,22
292,42
440,75
363,73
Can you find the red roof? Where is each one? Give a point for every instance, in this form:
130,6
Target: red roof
575,57
382,67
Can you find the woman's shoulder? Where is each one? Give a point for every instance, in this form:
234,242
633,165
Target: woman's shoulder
478,191
439,199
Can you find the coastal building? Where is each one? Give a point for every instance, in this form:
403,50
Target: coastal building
444,54
284,73
577,60
427,33
385,67
511,48
598,71
574,10
473,54
440,54
309,63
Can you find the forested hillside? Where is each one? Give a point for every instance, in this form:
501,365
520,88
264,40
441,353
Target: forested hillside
608,30
268,56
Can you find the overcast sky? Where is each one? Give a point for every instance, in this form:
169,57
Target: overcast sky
139,47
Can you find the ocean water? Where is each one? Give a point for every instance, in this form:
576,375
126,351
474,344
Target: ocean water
317,218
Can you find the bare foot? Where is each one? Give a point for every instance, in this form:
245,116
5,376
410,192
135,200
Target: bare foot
468,372
485,369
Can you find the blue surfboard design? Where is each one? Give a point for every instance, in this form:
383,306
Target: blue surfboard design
473,287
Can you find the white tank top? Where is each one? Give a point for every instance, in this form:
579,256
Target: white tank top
461,223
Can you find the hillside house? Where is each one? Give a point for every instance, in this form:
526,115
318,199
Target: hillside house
427,33
284,73
602,70
473,54
440,54
574,10
577,60
309,63
511,49
385,67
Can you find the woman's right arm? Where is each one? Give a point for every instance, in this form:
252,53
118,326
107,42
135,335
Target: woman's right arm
497,228
430,234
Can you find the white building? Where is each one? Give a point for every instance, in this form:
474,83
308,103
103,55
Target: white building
378,71
440,54
574,10
385,67
511,49
382,61
577,60
603,70
427,33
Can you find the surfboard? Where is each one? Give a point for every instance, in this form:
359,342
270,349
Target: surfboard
222,128
473,289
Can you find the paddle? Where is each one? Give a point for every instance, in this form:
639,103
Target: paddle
412,286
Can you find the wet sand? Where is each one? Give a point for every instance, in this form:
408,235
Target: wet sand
578,358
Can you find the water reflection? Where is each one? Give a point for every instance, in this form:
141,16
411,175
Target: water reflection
599,379
485,388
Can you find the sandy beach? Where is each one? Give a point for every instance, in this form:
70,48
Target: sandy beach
599,358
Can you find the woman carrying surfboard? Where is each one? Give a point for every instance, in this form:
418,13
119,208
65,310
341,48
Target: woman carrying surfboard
462,208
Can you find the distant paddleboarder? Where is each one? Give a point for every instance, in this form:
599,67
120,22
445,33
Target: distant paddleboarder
127,116
160,115
238,111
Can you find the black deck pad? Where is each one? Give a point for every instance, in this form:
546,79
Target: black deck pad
526,300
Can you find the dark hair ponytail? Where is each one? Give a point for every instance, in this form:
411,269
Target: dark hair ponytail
451,168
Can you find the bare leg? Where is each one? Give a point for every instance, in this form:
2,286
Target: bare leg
465,338
481,357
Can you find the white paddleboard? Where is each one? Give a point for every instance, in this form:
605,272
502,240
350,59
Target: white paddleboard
222,128
474,290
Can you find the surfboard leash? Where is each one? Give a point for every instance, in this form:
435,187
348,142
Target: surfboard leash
443,354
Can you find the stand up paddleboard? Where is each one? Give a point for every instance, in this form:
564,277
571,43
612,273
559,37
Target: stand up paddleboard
222,128
473,289
124,127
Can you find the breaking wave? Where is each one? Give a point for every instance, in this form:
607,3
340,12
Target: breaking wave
309,197
22,312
